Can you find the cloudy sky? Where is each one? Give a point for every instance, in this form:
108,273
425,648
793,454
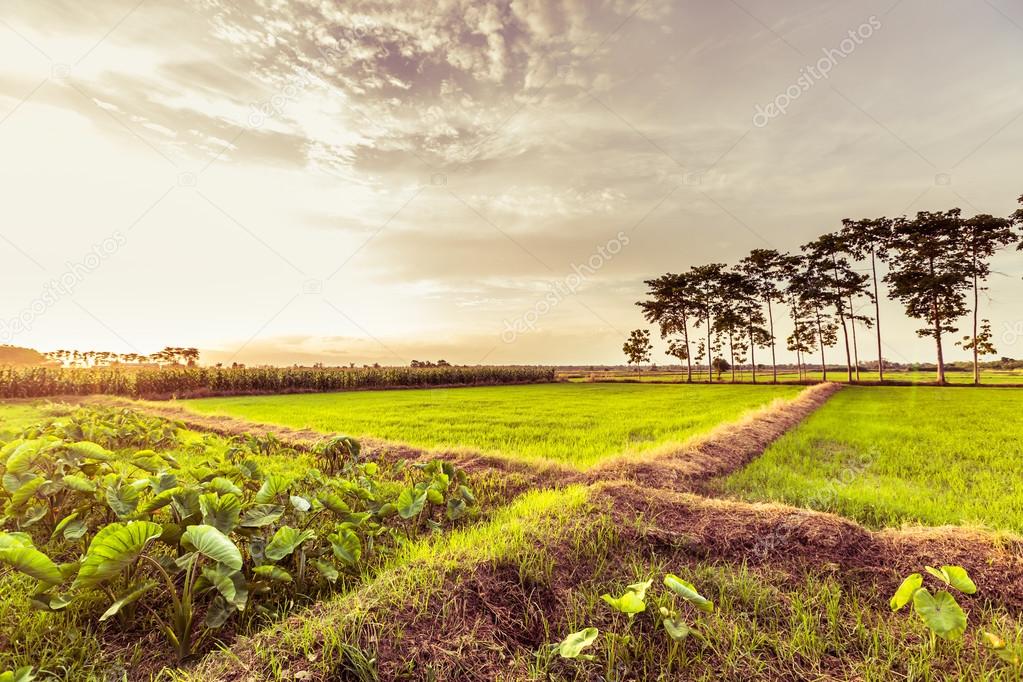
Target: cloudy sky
366,181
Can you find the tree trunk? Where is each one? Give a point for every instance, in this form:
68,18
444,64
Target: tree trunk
774,361
820,338
856,348
752,352
976,307
710,354
877,317
731,354
841,318
937,340
689,356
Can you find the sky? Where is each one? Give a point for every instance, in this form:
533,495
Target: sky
485,182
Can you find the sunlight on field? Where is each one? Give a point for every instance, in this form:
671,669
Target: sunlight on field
576,423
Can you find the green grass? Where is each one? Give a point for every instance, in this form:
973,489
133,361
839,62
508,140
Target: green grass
577,424
887,455
767,624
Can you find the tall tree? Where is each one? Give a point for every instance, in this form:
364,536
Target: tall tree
670,306
765,270
637,348
928,276
808,287
869,239
983,236
841,284
704,288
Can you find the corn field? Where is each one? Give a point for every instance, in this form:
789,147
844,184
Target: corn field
17,382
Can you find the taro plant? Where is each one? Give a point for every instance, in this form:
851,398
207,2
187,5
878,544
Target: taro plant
673,624
940,612
1012,656
194,546
338,453
572,646
24,674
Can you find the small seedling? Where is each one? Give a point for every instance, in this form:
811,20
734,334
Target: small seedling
572,646
633,601
1012,655
940,612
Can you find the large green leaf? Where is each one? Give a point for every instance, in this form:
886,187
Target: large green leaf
347,546
16,551
272,487
229,583
21,459
688,592
410,503
274,573
572,646
285,541
261,515
956,576
113,548
941,613
221,512
123,499
223,486
78,483
9,448
906,590
213,544
333,502
326,569
89,450
26,491
132,595
160,500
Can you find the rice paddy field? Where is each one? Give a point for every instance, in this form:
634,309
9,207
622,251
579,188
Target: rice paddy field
888,456
576,531
570,423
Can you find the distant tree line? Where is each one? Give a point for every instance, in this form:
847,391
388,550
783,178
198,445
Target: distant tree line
92,358
937,265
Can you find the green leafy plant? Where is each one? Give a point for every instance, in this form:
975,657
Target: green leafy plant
211,539
572,646
940,612
1010,655
632,601
24,674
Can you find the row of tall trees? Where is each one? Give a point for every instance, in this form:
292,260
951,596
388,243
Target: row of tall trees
91,358
936,264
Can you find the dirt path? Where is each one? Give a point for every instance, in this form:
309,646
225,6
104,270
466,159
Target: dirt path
724,450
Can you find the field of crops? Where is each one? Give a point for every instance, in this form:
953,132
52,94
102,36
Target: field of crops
37,382
571,423
133,548
884,456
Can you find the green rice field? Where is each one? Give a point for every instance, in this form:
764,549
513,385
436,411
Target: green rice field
889,455
577,424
